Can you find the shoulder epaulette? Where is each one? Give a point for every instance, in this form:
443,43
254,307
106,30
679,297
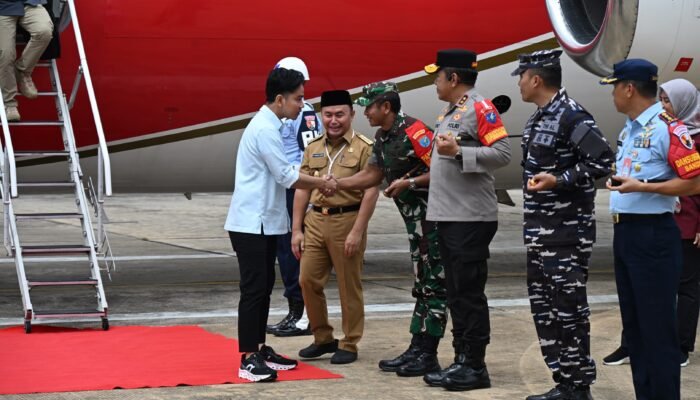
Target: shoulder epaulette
463,100
316,139
364,138
667,118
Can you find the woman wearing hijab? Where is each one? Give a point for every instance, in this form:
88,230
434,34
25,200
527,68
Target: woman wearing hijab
681,99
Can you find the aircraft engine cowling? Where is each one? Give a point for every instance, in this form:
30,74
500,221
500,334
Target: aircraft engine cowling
598,33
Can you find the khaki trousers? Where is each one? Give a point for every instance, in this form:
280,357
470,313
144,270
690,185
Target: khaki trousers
324,244
37,22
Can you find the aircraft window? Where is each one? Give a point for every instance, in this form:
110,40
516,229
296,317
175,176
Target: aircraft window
584,18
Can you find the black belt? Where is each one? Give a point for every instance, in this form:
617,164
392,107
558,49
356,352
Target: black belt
336,210
617,218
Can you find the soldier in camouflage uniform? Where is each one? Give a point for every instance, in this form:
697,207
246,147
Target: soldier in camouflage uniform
563,154
401,155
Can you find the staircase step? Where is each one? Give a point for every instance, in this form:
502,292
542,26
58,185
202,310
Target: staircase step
68,313
42,93
46,184
36,123
73,282
55,249
48,216
42,153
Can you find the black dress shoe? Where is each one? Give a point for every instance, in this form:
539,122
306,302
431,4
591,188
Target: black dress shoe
343,357
467,378
406,357
581,394
317,350
425,363
553,394
291,330
273,328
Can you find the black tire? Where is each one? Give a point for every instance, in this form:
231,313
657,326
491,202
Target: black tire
27,327
105,324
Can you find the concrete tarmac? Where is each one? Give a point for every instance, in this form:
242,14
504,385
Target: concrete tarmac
175,267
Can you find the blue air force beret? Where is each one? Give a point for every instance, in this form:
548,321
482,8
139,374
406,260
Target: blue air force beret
538,59
633,69
455,58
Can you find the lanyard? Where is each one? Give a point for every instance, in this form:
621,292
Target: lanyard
331,160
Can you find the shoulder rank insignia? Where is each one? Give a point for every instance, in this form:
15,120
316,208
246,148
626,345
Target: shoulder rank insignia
462,101
364,138
667,118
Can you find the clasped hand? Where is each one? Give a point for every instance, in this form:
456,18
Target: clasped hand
330,186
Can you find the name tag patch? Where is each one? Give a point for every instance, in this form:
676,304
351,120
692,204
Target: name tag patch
453,125
318,155
544,139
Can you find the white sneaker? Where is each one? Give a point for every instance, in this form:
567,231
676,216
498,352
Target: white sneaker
26,85
685,360
12,114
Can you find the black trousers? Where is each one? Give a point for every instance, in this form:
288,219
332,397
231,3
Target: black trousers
464,249
256,261
647,272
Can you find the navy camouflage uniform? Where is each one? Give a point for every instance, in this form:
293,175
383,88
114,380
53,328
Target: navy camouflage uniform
561,139
394,153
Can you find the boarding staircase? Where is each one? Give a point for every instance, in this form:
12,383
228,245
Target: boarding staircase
93,250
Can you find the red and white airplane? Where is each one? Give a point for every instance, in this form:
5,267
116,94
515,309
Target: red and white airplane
176,82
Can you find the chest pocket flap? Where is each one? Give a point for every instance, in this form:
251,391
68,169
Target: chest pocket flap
349,160
316,163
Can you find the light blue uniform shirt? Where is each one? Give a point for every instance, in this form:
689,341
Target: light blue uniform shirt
641,161
262,174
290,132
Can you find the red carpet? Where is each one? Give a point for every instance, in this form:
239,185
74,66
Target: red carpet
52,359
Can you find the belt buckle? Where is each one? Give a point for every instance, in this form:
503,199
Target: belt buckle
616,218
324,210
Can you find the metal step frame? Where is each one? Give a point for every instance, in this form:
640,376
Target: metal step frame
91,247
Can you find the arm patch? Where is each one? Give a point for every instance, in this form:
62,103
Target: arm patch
421,138
588,140
488,123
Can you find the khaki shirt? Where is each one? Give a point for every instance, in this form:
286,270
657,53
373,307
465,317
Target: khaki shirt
350,156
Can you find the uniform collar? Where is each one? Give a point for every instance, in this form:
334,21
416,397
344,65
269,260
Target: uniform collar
270,116
648,114
347,136
555,102
462,101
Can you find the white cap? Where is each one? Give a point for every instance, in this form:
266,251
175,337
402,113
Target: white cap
295,64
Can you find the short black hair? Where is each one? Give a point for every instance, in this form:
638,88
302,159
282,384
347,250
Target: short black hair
648,89
465,75
551,76
393,99
282,81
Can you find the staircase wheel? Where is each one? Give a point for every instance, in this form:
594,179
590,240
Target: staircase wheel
27,326
105,324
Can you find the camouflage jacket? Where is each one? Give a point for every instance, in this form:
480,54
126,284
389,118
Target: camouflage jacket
394,152
563,215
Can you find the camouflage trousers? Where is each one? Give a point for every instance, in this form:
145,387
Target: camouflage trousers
429,289
556,284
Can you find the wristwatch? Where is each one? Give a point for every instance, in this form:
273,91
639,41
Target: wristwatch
458,156
412,184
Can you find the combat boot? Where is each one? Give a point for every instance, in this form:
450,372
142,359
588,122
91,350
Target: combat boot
413,351
473,373
273,328
292,327
436,378
426,362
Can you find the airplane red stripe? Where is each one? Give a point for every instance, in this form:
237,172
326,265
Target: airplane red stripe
165,64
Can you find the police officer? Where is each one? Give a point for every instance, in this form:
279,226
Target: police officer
401,155
471,142
334,230
563,154
652,146
296,135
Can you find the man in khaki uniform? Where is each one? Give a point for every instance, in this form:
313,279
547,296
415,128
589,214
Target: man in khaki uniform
335,229
30,15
